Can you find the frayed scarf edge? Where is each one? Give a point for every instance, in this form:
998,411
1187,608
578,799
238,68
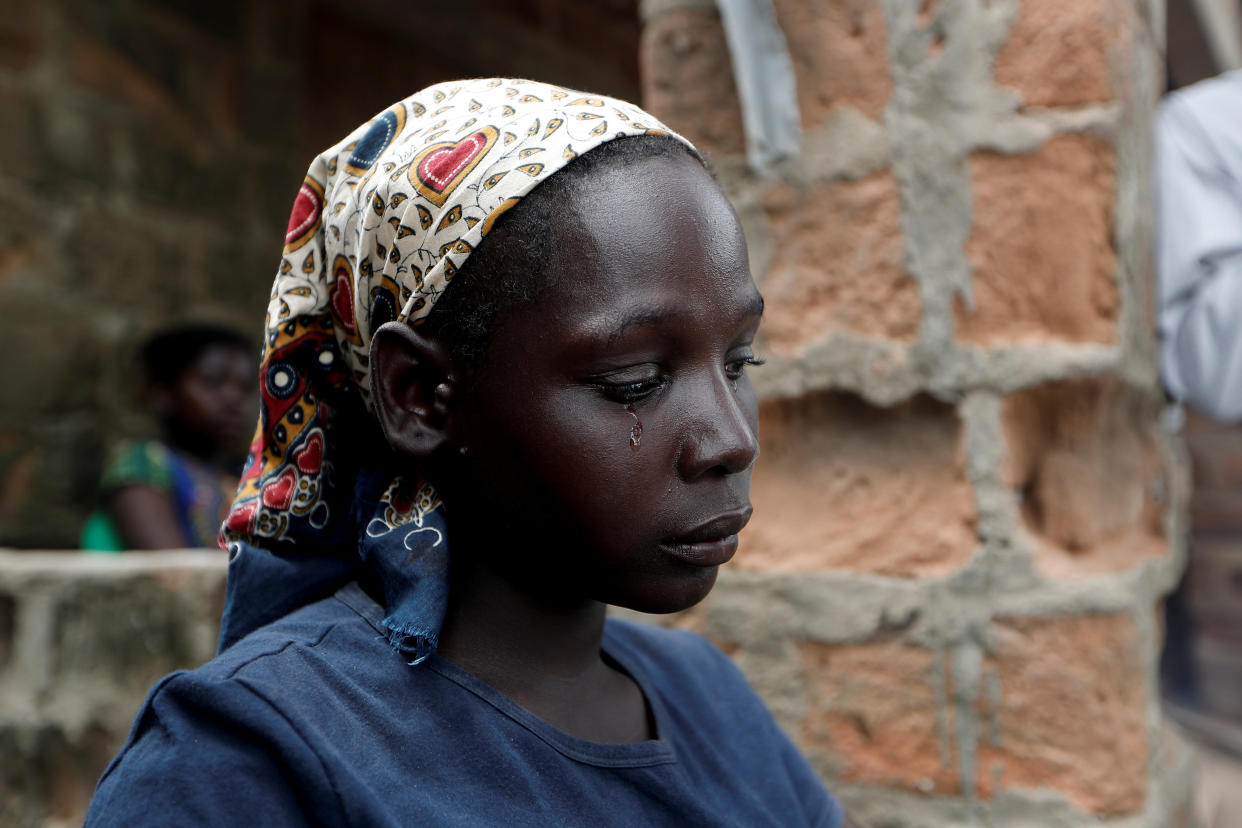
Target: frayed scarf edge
411,640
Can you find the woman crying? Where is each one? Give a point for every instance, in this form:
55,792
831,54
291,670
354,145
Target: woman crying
504,385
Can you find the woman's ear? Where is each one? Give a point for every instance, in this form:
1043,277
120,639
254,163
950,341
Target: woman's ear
412,386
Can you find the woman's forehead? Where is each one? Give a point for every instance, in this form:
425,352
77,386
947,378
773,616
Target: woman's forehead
651,245
662,211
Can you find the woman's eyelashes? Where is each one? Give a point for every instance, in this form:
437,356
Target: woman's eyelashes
737,367
628,388
627,391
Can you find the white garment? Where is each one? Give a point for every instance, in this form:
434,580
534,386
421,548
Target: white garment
766,87
1199,245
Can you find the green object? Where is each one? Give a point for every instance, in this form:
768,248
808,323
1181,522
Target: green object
100,537
132,461
147,462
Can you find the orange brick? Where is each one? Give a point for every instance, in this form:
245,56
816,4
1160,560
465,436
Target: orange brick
1058,51
836,264
1073,710
688,80
1084,456
1062,704
872,715
1042,245
843,485
840,56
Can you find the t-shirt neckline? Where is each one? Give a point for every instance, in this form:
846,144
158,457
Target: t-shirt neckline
656,751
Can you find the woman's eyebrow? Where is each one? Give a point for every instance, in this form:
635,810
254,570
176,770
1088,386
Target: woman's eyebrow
639,317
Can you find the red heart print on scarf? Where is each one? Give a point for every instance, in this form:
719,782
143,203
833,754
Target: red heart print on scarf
439,168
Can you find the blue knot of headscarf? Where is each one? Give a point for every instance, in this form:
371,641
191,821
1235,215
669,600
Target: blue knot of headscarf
403,546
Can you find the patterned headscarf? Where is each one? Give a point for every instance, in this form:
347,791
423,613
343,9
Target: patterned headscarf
381,224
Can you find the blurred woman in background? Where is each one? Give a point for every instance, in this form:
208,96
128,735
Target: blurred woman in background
173,491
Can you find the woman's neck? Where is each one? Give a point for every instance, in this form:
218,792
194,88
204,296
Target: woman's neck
494,627
542,655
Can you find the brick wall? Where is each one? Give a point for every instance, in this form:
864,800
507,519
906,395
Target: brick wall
966,514
965,506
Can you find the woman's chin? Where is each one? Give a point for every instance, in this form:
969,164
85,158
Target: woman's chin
670,595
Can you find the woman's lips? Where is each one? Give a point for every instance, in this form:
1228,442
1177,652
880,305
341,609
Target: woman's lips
706,553
711,543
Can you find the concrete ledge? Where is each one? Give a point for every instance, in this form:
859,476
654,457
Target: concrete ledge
82,640
23,564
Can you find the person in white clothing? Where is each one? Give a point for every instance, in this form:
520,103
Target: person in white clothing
1199,245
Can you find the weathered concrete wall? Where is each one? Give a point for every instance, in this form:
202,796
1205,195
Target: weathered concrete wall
82,640
966,511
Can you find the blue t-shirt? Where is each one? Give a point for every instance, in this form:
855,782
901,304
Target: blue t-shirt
315,719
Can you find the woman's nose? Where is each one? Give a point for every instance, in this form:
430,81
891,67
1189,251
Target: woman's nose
722,433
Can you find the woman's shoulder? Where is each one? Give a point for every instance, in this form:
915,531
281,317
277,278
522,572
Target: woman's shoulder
310,648
671,653
257,709
145,461
301,650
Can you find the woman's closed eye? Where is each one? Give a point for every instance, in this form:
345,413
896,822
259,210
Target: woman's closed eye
628,387
631,386
735,368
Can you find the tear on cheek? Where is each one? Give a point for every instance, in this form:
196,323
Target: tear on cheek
636,430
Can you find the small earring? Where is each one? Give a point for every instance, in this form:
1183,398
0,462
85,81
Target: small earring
462,451
443,392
